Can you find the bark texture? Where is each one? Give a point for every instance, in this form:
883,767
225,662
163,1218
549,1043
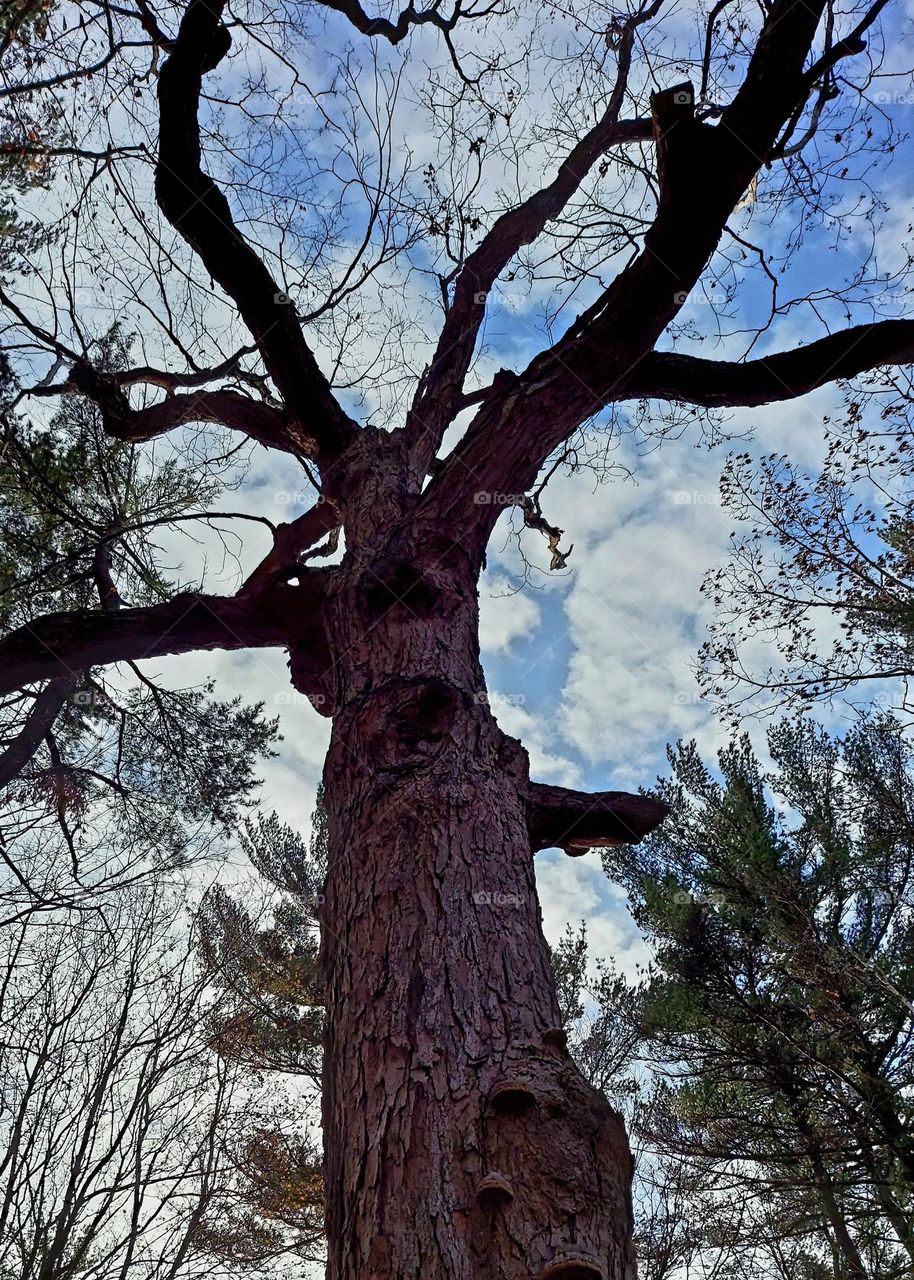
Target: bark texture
460,1139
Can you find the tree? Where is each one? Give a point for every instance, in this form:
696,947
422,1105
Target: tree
273,1014
460,1139
115,1114
782,910
133,1144
270,1018
813,551
134,776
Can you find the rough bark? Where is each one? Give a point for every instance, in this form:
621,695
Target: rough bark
460,1139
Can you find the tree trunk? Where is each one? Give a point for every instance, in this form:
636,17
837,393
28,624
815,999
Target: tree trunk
460,1139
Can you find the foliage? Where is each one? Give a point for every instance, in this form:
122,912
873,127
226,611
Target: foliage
270,1018
151,774
781,907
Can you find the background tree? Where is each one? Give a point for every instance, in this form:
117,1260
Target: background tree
780,1011
114,1111
442,1022
822,569
135,776
270,1018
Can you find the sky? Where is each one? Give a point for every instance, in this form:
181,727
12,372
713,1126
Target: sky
592,667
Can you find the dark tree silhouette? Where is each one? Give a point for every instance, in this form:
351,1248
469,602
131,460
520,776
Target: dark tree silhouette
460,1139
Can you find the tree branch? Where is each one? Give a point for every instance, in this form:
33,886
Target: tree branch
290,541
579,820
439,395
59,645
268,426
406,20
199,211
36,725
782,376
703,171
171,381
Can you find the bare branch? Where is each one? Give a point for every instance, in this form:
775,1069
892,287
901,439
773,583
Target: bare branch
268,426
198,378
783,376
406,20
199,211
440,393
561,388
290,541
150,25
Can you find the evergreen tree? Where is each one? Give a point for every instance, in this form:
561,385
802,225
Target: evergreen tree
780,1013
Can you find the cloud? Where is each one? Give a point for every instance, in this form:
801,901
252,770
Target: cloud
575,889
506,613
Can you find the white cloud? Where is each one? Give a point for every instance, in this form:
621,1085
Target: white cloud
506,613
575,889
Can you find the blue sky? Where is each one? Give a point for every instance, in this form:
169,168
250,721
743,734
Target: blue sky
592,667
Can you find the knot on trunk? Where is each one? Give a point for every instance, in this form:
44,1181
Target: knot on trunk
494,1190
406,722
554,1225
402,590
572,1265
425,713
512,1098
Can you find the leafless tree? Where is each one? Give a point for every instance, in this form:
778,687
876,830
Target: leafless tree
821,570
114,1110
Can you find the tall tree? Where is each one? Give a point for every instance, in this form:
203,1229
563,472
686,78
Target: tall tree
115,1112
460,1138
